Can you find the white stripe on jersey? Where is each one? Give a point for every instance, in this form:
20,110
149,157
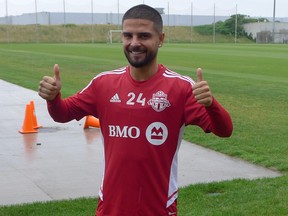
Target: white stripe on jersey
173,181
171,74
114,72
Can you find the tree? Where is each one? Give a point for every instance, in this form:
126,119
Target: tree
228,26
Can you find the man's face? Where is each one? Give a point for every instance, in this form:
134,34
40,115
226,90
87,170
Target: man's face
140,42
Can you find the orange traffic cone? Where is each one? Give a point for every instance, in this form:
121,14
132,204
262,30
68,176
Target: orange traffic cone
91,121
35,123
28,121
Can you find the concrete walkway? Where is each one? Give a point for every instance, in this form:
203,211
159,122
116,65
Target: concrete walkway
64,161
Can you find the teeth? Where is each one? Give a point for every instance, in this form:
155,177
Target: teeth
133,52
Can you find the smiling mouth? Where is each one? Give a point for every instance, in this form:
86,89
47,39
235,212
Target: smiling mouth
136,52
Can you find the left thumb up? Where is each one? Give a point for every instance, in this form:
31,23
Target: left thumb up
201,90
199,75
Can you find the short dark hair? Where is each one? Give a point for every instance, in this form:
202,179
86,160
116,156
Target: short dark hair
146,12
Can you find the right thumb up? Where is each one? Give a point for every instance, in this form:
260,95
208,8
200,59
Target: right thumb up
49,87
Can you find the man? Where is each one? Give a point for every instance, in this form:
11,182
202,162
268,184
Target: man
143,109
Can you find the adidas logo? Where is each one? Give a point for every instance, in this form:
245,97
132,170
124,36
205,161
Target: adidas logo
115,99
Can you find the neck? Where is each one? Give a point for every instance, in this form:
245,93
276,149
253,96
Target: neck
143,73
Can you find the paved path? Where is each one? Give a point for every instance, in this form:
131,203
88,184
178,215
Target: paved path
64,161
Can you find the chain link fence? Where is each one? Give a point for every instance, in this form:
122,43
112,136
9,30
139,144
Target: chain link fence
89,21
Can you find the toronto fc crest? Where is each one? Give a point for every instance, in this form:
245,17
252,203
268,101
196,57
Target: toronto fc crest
159,101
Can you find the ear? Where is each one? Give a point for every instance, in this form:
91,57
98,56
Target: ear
161,39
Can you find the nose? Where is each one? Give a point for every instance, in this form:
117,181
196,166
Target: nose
135,41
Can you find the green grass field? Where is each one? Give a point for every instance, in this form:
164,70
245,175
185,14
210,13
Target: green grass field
251,81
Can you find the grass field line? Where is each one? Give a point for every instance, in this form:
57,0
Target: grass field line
55,55
234,53
256,77
78,57
234,74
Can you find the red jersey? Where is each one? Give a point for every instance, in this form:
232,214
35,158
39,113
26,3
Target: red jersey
142,124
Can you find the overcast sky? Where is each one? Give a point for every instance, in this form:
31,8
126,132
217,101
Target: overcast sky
254,8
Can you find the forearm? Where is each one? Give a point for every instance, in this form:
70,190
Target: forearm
221,122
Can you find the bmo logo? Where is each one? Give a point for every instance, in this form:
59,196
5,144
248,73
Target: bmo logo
124,132
156,133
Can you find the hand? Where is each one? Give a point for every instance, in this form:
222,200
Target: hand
202,91
49,87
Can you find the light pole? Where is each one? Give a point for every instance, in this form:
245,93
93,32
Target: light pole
7,22
273,31
36,23
92,20
118,15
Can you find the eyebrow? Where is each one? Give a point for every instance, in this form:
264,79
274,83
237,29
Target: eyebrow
138,33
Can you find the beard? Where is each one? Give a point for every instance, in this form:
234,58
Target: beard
139,62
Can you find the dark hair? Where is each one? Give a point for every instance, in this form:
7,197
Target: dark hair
146,12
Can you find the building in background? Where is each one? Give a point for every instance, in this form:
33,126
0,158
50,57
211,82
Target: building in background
263,32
